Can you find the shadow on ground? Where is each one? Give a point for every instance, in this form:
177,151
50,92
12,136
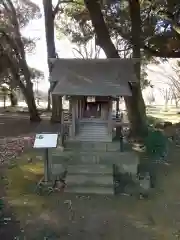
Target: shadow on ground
12,125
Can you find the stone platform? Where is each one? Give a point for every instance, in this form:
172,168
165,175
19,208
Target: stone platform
90,166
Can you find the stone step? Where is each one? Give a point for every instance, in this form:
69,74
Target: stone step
74,158
90,190
90,129
92,134
91,139
89,181
93,126
100,157
87,130
90,169
93,130
92,146
93,123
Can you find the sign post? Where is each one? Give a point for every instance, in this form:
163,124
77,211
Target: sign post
46,141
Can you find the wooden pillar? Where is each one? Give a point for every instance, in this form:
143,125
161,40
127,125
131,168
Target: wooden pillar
73,117
110,117
62,129
77,107
80,108
70,104
103,111
117,106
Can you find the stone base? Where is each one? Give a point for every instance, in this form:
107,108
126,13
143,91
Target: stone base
89,166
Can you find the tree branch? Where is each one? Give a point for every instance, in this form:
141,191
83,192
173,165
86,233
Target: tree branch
151,51
79,52
103,36
156,53
56,9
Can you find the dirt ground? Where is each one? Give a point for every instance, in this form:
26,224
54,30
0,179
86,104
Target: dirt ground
12,124
69,216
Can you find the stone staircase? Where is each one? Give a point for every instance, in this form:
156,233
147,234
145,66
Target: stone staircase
90,179
90,166
93,131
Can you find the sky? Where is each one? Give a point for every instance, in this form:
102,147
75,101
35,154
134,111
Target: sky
38,59
64,48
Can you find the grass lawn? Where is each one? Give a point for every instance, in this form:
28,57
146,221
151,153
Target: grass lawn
69,216
159,113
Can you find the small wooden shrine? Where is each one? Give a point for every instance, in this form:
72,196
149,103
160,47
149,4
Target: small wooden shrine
89,154
91,87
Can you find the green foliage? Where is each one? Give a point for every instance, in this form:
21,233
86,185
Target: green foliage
11,50
26,10
76,25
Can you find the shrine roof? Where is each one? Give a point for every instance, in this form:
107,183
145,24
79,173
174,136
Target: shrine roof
92,77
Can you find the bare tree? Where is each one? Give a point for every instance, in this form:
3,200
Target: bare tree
166,94
151,97
87,50
170,71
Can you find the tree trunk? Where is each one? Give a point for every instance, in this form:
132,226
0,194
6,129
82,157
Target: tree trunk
176,102
13,99
27,91
56,114
136,112
51,51
135,104
33,113
30,101
49,100
4,100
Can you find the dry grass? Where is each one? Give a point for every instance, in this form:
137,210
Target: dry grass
170,115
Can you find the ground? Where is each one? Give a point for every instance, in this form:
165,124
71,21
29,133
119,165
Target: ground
68,216
171,114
